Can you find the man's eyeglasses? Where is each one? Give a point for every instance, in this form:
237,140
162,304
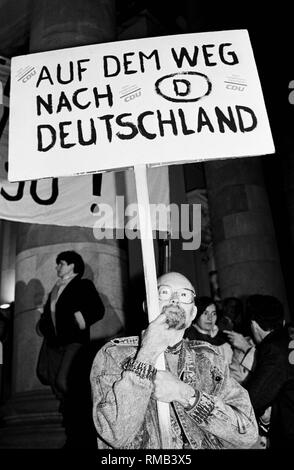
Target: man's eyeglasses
184,295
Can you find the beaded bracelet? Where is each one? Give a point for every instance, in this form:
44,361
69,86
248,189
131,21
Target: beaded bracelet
143,370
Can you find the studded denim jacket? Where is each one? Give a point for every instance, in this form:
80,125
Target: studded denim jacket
125,413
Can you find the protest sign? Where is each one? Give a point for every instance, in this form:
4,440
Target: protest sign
150,101
72,201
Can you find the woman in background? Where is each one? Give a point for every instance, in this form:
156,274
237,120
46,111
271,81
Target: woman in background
204,328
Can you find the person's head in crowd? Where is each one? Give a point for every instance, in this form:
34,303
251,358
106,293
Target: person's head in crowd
176,300
231,317
266,314
69,263
207,314
290,326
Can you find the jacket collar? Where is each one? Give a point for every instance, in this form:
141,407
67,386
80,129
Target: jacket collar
211,333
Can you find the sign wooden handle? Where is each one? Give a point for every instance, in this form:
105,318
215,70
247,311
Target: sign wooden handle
151,285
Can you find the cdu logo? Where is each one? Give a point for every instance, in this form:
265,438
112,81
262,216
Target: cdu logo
129,93
25,74
235,83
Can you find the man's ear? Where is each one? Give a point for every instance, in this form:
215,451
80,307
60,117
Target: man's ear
194,312
71,265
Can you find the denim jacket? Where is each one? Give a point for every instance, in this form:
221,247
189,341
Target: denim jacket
125,413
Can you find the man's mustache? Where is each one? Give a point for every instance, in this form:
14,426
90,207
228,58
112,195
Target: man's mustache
175,316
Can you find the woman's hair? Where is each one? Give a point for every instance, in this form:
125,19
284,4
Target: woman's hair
71,257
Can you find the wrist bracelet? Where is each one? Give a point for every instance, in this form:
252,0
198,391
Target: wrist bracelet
142,369
192,400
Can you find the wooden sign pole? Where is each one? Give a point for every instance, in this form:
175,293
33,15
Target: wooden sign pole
151,285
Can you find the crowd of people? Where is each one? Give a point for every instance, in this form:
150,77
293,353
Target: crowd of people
228,375
254,341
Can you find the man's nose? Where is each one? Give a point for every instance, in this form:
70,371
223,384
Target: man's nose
174,298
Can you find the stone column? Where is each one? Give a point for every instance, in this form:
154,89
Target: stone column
32,418
246,253
181,260
56,24
35,274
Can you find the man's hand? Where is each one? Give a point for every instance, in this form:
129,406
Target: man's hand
156,338
80,320
266,417
168,388
238,341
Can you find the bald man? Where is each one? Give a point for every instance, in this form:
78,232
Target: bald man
208,409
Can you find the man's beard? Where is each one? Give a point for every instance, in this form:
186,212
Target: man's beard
175,316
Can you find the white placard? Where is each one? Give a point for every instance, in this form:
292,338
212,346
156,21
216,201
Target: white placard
148,101
79,200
